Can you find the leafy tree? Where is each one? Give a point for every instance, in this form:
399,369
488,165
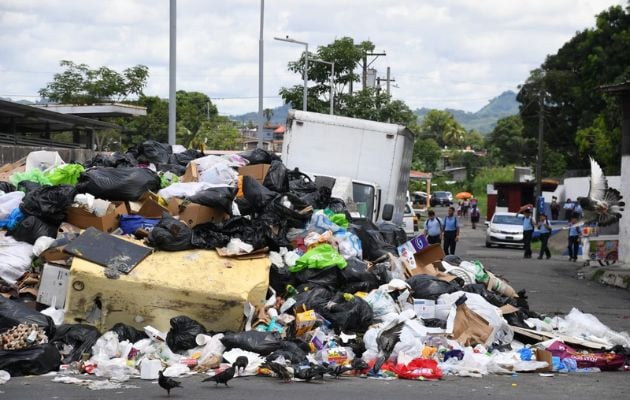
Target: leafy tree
220,133
569,80
426,155
474,139
193,108
268,113
78,84
506,144
442,127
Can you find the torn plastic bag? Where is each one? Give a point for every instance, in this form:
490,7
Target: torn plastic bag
182,334
9,202
15,259
429,287
208,236
328,277
7,187
79,336
277,178
357,277
121,184
348,313
154,152
170,235
311,297
320,257
129,224
49,203
373,244
217,197
127,332
259,156
13,313
291,209
263,343
32,228
36,360
67,174
256,194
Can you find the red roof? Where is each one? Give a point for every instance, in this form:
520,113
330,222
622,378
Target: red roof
420,175
280,129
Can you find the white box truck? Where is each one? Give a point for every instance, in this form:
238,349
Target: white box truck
376,156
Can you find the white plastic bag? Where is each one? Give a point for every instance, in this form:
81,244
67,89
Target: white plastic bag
183,189
42,244
381,303
9,202
579,324
43,160
15,259
4,377
254,360
57,315
236,246
220,174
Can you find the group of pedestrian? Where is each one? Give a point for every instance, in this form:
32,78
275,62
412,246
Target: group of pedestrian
544,228
437,230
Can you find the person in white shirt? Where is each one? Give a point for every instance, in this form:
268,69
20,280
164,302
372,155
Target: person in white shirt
433,228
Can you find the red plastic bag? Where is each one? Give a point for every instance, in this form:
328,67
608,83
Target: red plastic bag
417,369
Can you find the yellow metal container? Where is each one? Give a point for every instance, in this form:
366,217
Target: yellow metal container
197,283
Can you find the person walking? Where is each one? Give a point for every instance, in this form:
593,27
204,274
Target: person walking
555,208
568,209
474,215
465,207
433,228
528,230
574,238
451,231
545,231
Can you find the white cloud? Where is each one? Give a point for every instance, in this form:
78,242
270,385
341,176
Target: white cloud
443,53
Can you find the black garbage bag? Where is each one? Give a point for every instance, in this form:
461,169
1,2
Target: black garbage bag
393,234
208,236
79,336
259,156
32,228
329,277
279,278
290,351
13,313
429,287
127,332
289,209
263,343
154,152
434,323
36,360
453,259
116,160
311,297
337,206
7,187
348,315
173,168
244,207
49,203
181,336
185,157
122,184
357,277
254,232
216,197
493,298
373,244
256,194
170,235
277,178
28,186
300,183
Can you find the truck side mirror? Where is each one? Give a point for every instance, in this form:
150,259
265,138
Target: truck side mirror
388,212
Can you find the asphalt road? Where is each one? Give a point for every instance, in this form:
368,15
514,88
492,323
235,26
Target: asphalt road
552,286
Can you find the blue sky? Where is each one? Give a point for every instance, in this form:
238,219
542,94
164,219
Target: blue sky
449,53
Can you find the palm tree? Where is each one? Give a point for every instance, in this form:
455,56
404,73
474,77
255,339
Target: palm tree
268,113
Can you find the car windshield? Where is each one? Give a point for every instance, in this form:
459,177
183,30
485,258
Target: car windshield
441,194
363,196
507,220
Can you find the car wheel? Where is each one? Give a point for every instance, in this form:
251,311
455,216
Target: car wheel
488,244
502,246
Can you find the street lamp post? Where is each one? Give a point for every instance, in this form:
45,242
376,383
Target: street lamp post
332,82
289,40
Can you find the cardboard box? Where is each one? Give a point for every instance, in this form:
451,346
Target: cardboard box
547,356
108,223
193,214
258,171
191,174
304,322
151,207
408,249
53,285
429,254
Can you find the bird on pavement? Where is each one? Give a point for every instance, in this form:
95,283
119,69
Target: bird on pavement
280,370
603,204
167,383
358,365
223,376
241,363
386,340
339,370
305,373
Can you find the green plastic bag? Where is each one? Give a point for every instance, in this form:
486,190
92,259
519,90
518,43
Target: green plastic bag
65,174
320,257
167,179
481,275
34,175
340,220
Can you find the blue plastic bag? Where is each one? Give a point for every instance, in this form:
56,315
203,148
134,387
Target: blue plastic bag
12,220
131,223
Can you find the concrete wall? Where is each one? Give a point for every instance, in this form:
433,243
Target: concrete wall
10,154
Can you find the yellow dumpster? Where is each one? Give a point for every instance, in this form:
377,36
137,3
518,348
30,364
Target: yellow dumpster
197,283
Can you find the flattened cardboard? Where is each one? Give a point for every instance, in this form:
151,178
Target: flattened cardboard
84,219
53,285
193,214
429,254
470,328
258,171
544,355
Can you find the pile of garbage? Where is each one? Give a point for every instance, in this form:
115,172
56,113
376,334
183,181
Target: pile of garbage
342,298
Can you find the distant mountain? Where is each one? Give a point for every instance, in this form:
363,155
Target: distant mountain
486,118
279,116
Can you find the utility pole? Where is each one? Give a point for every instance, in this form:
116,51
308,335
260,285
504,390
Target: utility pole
388,81
172,62
259,132
366,65
541,114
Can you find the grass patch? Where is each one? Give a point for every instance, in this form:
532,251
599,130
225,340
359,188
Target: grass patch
598,274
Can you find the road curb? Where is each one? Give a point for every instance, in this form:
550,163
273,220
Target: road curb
617,276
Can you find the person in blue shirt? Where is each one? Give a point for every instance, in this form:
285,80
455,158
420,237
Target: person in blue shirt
433,228
545,231
574,238
528,231
451,231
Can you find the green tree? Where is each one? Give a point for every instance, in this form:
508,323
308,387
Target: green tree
506,144
569,80
474,139
268,113
426,155
220,133
442,127
78,84
193,108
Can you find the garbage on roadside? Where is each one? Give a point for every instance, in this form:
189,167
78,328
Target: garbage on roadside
109,269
